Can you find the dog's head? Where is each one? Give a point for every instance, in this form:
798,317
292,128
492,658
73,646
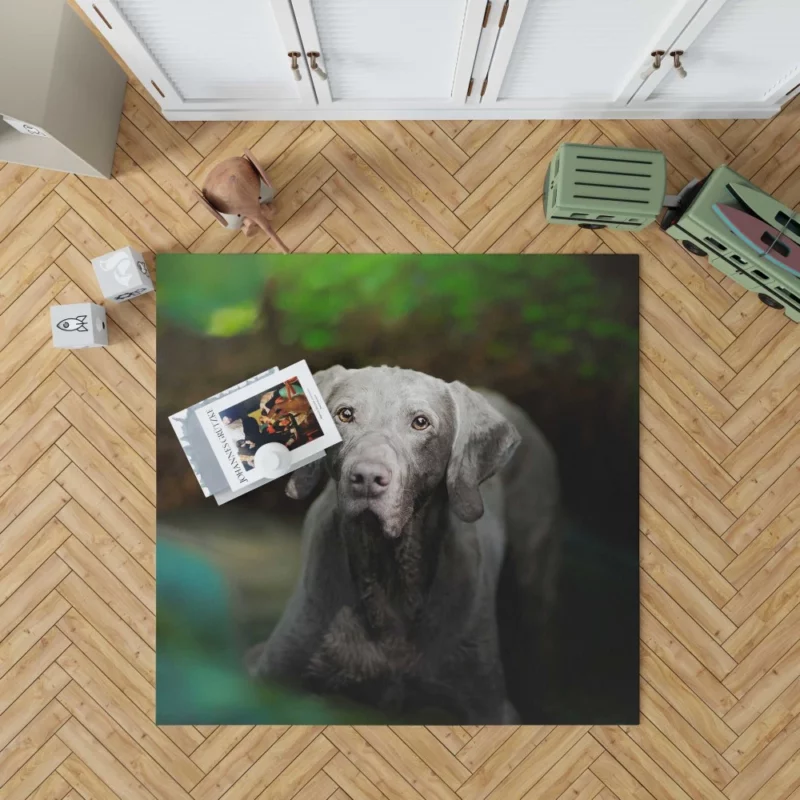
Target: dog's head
405,433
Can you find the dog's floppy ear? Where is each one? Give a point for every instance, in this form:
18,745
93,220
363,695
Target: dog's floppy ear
483,443
303,481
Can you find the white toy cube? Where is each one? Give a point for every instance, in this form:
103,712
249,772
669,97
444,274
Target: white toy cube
122,274
78,325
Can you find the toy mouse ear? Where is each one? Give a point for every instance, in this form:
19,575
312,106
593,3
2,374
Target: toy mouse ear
214,213
252,159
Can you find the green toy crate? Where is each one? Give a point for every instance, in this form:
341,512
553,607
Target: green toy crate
605,187
698,228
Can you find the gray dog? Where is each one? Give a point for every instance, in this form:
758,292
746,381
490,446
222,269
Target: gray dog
402,550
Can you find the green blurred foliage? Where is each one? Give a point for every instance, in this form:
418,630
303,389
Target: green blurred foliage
320,302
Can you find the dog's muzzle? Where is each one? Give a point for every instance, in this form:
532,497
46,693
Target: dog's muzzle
368,479
371,480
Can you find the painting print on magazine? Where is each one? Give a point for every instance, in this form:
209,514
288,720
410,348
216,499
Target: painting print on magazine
269,427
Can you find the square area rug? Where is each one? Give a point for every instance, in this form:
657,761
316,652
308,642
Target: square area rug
467,554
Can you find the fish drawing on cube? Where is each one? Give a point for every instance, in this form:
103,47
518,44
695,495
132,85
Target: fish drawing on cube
122,275
78,325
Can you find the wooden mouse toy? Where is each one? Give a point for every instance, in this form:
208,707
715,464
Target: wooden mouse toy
237,192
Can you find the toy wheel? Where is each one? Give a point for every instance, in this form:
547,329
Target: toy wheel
592,226
770,301
693,248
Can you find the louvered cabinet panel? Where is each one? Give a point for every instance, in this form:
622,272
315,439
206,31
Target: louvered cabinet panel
748,52
206,51
390,52
212,49
580,49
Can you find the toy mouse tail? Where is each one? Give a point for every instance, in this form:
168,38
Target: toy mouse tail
270,231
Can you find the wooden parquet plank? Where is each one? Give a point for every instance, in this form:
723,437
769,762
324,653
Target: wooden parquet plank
764,580
503,144
348,235
30,231
544,758
402,180
119,743
108,586
384,198
453,737
31,302
503,762
376,227
692,635
12,176
304,767
292,159
675,583
154,199
509,172
80,742
218,744
405,758
670,730
720,472
37,770
159,131
209,135
437,143
419,161
759,698
89,206
30,267
26,198
30,630
33,664
680,552
427,747
684,375
685,413
163,172
352,783
219,779
272,763
77,594
38,731
706,144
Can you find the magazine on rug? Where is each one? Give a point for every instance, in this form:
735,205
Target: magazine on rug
256,431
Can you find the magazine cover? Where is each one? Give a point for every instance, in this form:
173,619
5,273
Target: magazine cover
196,446
284,409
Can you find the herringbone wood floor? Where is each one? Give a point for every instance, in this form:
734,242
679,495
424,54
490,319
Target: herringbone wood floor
720,450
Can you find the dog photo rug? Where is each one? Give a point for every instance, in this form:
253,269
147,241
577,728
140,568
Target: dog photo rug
467,554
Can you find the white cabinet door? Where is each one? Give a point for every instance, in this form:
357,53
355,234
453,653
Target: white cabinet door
208,55
385,54
737,51
560,53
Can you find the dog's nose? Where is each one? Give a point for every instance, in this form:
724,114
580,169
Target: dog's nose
369,478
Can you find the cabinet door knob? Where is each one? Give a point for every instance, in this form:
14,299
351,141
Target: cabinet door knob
295,66
657,55
676,60
312,57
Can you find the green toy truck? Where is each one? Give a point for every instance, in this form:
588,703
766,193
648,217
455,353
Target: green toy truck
609,187
702,232
605,187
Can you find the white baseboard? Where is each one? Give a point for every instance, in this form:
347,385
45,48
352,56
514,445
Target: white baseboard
205,112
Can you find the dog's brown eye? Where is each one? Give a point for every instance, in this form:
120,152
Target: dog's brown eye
345,414
420,423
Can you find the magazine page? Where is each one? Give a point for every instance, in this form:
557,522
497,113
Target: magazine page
226,495
197,447
285,408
